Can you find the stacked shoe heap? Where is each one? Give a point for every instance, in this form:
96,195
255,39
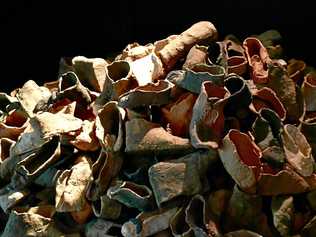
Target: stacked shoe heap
188,136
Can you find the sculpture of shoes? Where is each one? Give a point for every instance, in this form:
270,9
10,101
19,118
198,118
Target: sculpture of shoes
218,202
46,149
144,137
106,208
231,56
192,80
148,223
35,221
207,123
309,91
287,91
41,128
109,126
309,229
71,186
90,71
71,89
237,64
147,69
298,152
233,48
273,172
184,175
34,165
150,94
177,115
132,195
282,208
197,55
308,128
241,158
258,59
135,51
104,170
13,124
49,178
119,79
267,98
267,129
30,95
201,33
197,216
86,140
178,225
244,211
281,182
5,145
295,69
81,217
240,96
64,107
10,198
5,102
135,169
101,227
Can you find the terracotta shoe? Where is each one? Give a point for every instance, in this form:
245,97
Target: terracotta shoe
244,211
106,208
119,79
104,170
28,169
110,116
295,69
99,227
144,137
13,124
267,98
70,191
91,71
197,55
240,95
184,175
200,33
309,92
258,59
233,57
132,195
287,91
151,94
149,223
36,221
177,115
178,225
308,128
192,80
207,123
241,158
30,95
199,219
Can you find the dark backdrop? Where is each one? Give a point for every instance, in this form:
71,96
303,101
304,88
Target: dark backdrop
35,34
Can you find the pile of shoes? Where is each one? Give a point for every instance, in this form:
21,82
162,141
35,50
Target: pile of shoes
187,136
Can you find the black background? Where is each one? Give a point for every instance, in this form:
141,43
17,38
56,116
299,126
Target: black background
35,34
